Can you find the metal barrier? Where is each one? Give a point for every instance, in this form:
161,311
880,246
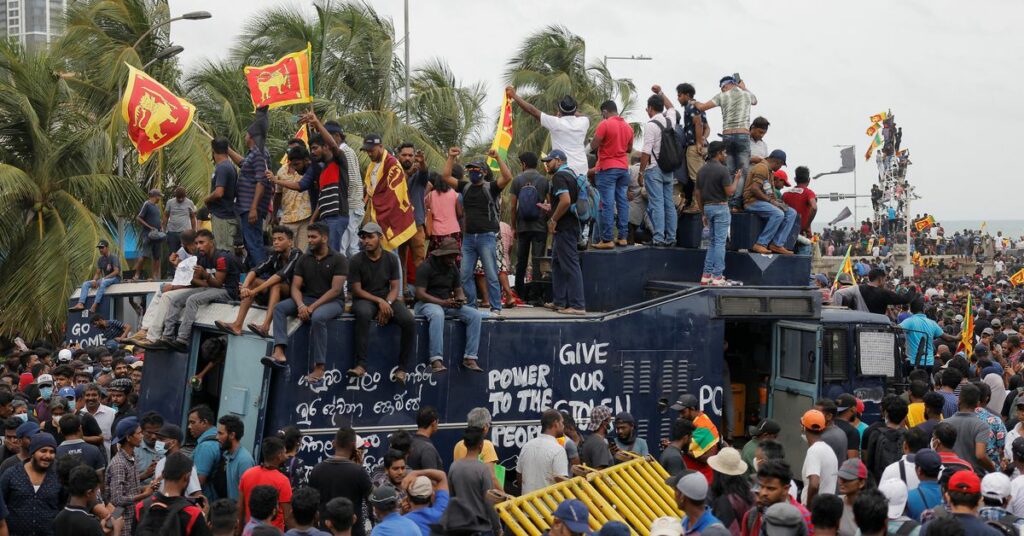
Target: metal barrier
633,492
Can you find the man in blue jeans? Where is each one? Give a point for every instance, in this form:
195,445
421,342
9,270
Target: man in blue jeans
659,184
253,191
735,101
438,294
318,296
613,141
564,225
108,272
759,198
714,189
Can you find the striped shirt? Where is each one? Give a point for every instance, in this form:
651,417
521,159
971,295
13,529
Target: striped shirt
331,191
735,105
355,180
252,172
279,265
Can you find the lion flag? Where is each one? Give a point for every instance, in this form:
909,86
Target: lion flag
286,81
390,205
154,115
924,223
1017,279
502,135
878,118
967,329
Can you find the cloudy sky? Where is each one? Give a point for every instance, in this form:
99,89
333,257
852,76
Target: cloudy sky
818,68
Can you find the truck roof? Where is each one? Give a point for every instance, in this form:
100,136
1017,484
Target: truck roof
840,315
122,289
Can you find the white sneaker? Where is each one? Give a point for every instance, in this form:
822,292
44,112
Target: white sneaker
706,280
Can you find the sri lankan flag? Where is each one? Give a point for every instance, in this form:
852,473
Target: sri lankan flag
1017,279
286,81
845,267
302,134
154,115
502,135
390,206
873,128
967,330
924,223
878,118
876,142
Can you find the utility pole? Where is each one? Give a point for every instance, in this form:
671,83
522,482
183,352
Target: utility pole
908,266
406,39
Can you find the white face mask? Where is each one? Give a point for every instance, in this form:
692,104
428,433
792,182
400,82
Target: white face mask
755,464
160,447
803,437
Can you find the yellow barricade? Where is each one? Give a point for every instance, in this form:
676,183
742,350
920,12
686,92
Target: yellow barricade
633,492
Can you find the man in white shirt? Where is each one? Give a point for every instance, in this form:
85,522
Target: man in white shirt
758,148
543,462
660,184
568,128
1016,431
904,469
821,467
168,441
103,414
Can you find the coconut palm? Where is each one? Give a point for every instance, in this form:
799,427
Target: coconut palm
551,64
448,113
56,190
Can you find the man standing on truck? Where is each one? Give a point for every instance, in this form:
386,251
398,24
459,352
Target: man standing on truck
877,298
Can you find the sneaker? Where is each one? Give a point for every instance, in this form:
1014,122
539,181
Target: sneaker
705,280
719,282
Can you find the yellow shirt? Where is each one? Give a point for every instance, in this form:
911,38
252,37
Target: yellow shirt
915,414
487,454
294,205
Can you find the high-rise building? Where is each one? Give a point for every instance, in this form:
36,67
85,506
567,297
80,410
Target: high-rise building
33,23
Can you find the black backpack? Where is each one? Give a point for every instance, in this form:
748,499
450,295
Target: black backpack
219,475
155,518
670,153
1005,525
888,450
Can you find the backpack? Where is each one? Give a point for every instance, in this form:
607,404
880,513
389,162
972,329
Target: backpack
1004,525
587,198
219,475
670,152
527,209
155,518
888,450
739,508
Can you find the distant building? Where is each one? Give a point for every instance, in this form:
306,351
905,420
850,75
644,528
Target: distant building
33,23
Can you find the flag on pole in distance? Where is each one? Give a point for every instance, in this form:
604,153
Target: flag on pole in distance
154,115
873,128
286,81
502,135
302,134
876,142
878,118
967,330
1017,279
924,223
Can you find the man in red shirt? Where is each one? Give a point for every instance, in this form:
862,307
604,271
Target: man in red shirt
267,474
803,200
613,141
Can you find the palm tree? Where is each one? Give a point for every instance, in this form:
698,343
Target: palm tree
449,114
56,190
550,64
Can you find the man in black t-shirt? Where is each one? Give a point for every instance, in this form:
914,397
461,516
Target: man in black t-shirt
480,230
374,276
529,223
342,475
267,283
217,273
566,274
76,519
318,295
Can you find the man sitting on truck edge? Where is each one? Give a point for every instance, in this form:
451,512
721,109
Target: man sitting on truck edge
267,283
108,272
317,296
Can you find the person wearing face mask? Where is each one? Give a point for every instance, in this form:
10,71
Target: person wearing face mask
625,435
45,384
146,454
168,441
58,407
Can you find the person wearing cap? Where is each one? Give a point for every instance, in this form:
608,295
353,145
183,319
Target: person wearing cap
23,434
45,385
821,467
317,296
833,435
691,495
735,101
780,180
626,437
150,217
564,225
963,497
846,413
570,518
294,203
594,451
714,188
766,430
568,128
689,408
168,441
784,519
673,456
123,486
374,277
427,490
853,475
848,294
267,283
658,182
439,293
926,494
759,199
32,492
390,521
995,496
108,272
387,191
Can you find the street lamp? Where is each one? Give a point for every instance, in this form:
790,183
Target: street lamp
641,57
168,52
191,15
855,192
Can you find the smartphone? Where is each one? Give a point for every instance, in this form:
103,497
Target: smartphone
736,76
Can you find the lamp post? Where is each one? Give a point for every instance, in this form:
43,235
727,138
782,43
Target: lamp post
641,57
855,192
191,15
164,54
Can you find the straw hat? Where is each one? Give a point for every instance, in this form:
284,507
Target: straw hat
728,462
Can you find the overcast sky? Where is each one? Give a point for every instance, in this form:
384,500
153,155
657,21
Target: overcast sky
819,70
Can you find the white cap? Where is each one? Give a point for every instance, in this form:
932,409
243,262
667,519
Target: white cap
667,526
44,379
896,491
64,355
995,486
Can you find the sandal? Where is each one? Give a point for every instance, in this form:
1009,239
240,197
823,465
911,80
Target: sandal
357,371
399,376
225,327
257,329
437,367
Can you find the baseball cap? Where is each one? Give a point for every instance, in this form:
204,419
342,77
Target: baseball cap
995,321
778,154
618,528
598,416
930,462
421,487
370,141
767,426
844,279
844,402
171,431
66,392
26,429
125,428
1017,448
557,153
965,482
575,515
384,495
665,526
624,416
371,228
988,331
995,486
853,469
958,318
782,176
813,420
686,401
780,519
64,356
103,244
44,379
693,485
896,491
